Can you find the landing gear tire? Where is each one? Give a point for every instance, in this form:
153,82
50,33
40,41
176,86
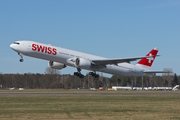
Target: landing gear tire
21,60
97,76
79,74
94,74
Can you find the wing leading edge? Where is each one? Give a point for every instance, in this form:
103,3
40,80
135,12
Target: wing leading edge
116,61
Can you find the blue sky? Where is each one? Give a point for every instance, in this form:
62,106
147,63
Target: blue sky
112,29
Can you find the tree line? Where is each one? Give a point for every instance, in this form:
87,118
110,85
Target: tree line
57,81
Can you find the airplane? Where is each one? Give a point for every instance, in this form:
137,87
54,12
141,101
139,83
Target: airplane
59,58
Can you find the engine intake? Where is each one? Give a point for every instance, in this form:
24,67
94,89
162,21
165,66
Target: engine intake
56,65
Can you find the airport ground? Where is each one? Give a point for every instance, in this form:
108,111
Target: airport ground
38,104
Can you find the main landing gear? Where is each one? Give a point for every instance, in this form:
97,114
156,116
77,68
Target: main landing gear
94,74
21,60
82,76
79,73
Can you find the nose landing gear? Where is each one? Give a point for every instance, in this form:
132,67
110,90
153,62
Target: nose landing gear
21,55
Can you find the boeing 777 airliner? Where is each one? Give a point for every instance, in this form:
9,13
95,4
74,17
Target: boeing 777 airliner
59,58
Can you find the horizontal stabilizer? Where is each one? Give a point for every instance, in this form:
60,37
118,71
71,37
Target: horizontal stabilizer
156,71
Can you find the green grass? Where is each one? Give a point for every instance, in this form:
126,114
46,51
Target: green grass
59,104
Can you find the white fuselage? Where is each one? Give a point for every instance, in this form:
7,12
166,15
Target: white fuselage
65,56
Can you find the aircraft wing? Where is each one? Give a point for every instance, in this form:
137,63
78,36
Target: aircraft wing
116,61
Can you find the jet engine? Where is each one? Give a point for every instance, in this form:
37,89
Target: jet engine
56,65
82,63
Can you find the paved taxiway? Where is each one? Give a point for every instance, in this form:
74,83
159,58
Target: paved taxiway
59,92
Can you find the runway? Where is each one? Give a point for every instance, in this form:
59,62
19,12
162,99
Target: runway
75,92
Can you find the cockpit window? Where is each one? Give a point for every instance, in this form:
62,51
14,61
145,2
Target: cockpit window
16,43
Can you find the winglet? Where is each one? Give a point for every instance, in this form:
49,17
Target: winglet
147,62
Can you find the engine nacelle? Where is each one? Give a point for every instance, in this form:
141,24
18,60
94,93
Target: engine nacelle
56,65
82,63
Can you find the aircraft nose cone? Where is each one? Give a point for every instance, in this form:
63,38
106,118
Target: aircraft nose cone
14,47
11,46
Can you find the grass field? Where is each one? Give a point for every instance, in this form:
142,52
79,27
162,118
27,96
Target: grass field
84,104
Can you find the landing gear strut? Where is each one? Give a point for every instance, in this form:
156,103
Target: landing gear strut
79,73
21,60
